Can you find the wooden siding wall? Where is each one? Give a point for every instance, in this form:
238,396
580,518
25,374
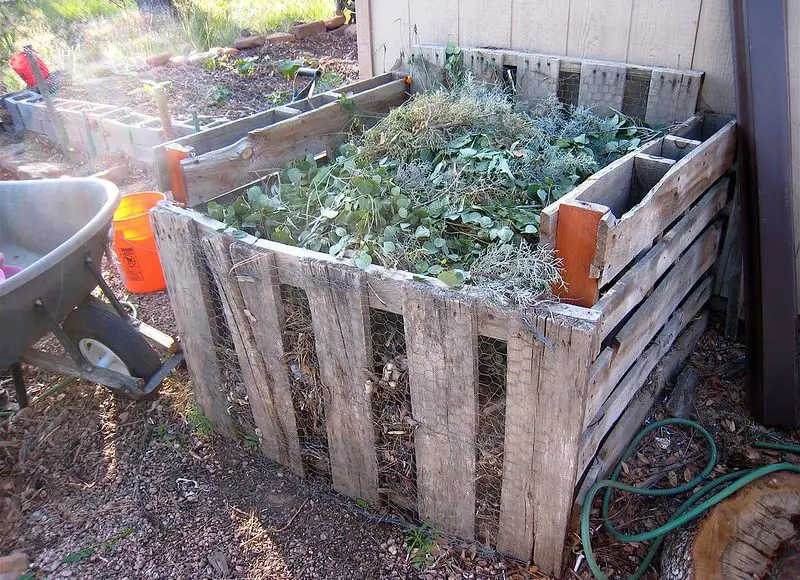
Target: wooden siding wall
690,34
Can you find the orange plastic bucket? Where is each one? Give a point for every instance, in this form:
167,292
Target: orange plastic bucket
135,244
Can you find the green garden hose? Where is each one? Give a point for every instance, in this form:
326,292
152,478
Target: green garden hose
688,511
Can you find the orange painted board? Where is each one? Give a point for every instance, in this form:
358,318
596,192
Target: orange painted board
576,243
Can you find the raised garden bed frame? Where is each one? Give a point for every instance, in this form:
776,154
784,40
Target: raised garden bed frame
640,240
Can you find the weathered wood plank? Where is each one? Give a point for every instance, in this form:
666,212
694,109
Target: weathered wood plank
189,292
639,330
537,76
364,38
621,240
647,171
558,423
629,386
602,86
713,53
267,149
673,95
264,377
441,340
576,244
339,306
525,354
638,410
621,298
484,23
675,147
610,186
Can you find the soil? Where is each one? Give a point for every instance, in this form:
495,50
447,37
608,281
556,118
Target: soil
194,87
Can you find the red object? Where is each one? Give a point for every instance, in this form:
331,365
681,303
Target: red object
19,62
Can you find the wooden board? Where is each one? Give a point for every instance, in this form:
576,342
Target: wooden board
543,426
639,330
621,240
265,376
537,77
663,32
638,410
339,306
630,385
441,341
624,295
189,293
672,96
265,150
391,34
539,26
576,244
364,38
610,186
602,87
599,29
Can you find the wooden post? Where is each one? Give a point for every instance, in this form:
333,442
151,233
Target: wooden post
189,293
44,90
160,96
442,344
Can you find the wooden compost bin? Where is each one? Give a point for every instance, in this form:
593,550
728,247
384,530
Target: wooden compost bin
640,240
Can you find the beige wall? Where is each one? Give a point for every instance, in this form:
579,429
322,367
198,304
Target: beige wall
687,34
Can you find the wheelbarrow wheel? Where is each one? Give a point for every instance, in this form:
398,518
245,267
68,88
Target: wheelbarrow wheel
108,341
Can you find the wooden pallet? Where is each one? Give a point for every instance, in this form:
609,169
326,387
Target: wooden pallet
561,401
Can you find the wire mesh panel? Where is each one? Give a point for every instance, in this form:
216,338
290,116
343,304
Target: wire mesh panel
229,367
492,364
637,90
308,391
569,84
392,413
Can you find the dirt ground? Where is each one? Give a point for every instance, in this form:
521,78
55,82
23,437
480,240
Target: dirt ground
221,91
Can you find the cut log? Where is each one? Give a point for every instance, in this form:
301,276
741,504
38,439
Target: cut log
742,537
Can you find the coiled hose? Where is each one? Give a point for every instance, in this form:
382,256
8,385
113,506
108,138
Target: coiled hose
714,491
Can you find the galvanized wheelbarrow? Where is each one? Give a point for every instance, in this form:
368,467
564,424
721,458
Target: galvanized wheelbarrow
52,239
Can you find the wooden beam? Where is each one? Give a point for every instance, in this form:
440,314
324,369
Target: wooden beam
272,409
630,385
190,295
339,306
623,296
268,149
652,314
676,147
621,240
576,244
442,343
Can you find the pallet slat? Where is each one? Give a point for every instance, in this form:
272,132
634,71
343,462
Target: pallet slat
602,86
339,306
441,341
189,293
620,240
651,315
264,377
576,244
631,289
630,385
263,150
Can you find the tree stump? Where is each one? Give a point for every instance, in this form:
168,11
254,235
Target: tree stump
754,533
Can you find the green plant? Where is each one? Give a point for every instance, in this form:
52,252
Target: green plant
252,443
212,63
453,66
362,503
218,94
329,81
244,67
278,97
198,422
289,67
85,553
420,543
